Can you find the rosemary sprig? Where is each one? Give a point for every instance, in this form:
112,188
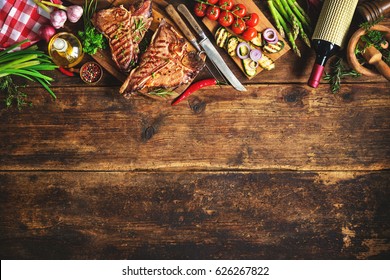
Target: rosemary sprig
338,72
139,29
140,25
162,92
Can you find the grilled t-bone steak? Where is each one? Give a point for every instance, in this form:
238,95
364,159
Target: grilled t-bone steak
124,30
165,64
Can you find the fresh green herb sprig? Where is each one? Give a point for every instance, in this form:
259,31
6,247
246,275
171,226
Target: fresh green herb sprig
140,28
367,25
140,25
12,93
26,63
91,39
373,38
338,72
162,92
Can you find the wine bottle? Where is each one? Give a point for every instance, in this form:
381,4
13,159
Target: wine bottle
329,34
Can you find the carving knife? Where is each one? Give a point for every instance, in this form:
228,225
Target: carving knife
170,9
210,50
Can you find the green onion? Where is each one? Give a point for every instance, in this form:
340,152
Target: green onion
27,63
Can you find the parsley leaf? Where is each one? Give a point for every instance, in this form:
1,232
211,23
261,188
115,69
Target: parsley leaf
91,39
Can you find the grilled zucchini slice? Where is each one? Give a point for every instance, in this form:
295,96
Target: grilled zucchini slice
266,63
249,67
221,36
231,46
243,50
258,40
274,48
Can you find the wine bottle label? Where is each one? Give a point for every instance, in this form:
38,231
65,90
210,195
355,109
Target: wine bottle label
334,21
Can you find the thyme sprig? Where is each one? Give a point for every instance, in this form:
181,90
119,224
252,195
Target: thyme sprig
12,93
338,72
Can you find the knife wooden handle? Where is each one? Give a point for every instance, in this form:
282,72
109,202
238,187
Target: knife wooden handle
161,3
187,14
170,9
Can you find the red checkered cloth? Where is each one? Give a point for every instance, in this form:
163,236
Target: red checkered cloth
20,20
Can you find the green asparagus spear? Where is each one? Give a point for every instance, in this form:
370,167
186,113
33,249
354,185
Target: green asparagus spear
285,27
297,22
277,21
282,9
301,15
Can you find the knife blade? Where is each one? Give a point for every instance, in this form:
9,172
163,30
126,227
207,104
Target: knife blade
210,50
170,9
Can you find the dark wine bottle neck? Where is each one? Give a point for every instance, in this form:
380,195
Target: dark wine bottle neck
324,50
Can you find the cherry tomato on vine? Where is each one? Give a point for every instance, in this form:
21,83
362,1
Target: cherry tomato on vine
200,9
252,19
212,2
238,26
226,4
239,10
249,34
213,12
226,18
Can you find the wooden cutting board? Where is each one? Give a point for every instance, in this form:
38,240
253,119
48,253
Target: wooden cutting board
263,24
103,57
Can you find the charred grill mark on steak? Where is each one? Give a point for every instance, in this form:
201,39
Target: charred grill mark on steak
122,29
161,66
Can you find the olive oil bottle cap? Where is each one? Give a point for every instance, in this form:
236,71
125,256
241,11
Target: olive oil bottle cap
60,45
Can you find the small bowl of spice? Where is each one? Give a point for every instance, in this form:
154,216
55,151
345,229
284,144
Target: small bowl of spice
91,72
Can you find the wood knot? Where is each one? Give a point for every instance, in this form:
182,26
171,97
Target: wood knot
148,133
295,97
151,127
197,105
347,97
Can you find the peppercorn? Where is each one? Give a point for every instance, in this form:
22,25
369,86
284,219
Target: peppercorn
91,72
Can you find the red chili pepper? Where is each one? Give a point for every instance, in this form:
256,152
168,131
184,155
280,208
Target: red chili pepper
194,87
65,71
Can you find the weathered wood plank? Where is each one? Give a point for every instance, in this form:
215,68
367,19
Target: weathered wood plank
268,127
207,215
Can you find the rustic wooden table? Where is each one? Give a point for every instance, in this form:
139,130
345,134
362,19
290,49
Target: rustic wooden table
282,171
